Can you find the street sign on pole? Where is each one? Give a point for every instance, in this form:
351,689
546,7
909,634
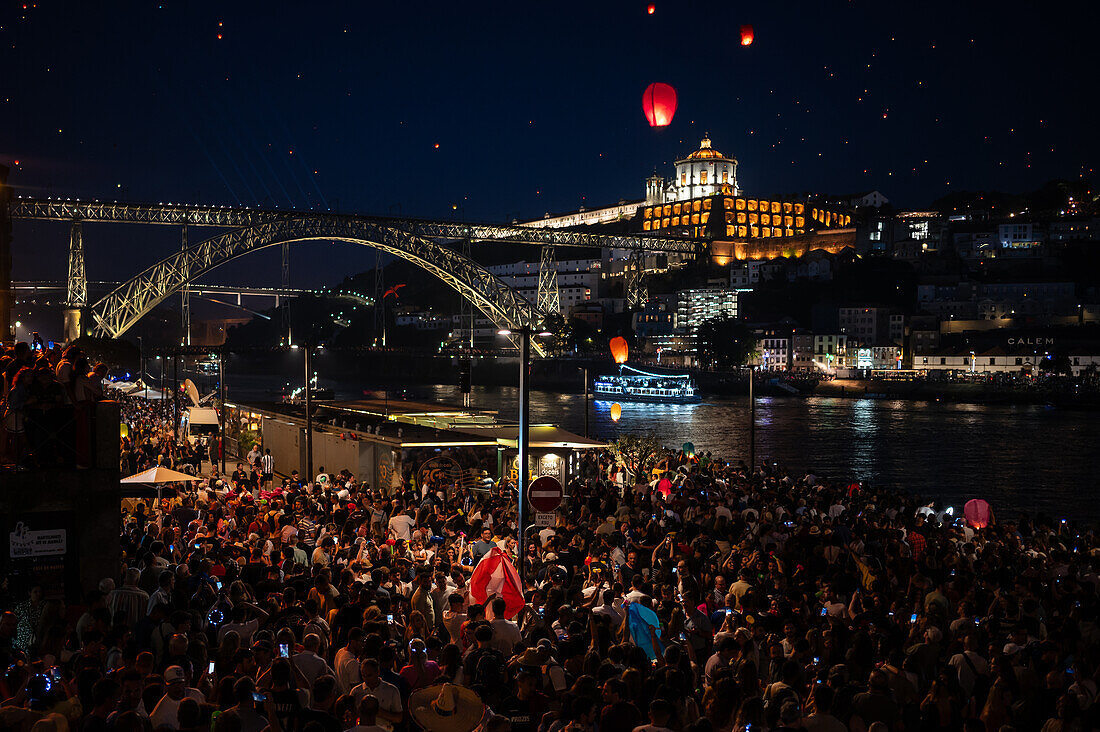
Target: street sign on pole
544,519
545,494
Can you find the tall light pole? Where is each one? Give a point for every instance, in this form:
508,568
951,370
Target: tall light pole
524,436
752,425
585,369
309,416
221,396
141,365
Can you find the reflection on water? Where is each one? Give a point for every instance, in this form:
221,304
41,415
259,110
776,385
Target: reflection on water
1028,457
1032,458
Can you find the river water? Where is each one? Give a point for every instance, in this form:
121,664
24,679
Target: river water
1031,458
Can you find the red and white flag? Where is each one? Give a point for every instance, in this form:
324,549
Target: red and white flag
496,575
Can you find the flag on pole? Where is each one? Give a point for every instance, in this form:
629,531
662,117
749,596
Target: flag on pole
496,575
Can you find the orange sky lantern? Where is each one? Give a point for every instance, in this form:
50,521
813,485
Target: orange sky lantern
651,9
659,104
616,411
619,349
746,35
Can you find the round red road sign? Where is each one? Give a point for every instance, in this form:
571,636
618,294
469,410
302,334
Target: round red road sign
545,494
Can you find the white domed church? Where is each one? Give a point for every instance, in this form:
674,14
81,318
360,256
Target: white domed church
702,173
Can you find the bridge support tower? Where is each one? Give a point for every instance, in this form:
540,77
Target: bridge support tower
77,298
549,299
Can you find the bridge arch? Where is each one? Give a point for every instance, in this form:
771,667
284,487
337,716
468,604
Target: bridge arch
121,308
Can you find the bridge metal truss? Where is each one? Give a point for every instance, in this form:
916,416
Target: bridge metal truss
77,286
114,314
549,299
98,211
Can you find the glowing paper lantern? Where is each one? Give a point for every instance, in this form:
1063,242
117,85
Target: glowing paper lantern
689,449
616,411
746,35
659,104
651,9
619,349
978,513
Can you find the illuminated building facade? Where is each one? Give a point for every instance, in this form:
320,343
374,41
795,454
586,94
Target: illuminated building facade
726,216
702,173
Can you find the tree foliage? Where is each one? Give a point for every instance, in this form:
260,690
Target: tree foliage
725,343
639,454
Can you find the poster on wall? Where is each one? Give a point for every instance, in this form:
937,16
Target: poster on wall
40,548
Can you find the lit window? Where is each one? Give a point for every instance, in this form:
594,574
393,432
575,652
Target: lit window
725,176
703,177
683,179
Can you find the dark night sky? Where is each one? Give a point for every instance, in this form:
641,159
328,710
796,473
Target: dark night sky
535,106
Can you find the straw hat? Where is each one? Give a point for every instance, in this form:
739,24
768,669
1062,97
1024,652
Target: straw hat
446,708
537,657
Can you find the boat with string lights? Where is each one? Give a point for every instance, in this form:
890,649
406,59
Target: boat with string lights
635,385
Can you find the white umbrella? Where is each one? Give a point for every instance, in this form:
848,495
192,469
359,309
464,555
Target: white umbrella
159,474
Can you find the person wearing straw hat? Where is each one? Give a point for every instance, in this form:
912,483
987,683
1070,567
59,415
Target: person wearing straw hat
446,708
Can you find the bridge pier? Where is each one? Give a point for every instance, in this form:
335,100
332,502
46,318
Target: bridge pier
549,300
74,318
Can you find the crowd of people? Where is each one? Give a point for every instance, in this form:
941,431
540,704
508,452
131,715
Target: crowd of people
712,596
40,385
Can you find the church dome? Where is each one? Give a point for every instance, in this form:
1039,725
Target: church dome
706,152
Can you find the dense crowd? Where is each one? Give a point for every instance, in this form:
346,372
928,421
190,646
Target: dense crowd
709,596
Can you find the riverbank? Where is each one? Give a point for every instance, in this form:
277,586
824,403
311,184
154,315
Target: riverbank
1060,394
387,370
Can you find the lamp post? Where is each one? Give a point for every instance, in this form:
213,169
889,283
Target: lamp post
523,438
752,425
221,396
585,369
141,365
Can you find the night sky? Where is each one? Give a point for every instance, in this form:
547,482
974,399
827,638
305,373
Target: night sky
512,110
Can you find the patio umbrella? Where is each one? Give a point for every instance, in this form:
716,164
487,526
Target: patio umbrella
157,476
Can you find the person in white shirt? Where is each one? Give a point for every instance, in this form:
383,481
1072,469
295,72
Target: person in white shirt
347,661
505,633
660,711
368,716
175,691
390,708
969,665
401,526
610,608
454,616
309,663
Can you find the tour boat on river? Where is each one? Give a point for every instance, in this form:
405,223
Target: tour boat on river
644,386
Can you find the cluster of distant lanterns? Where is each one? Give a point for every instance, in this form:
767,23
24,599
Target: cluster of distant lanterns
659,99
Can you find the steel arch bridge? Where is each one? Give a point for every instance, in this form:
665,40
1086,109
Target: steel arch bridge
120,309
422,242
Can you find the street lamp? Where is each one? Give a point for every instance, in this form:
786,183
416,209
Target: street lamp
523,438
141,365
308,350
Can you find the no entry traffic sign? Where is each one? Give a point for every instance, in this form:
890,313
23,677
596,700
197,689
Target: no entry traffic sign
545,494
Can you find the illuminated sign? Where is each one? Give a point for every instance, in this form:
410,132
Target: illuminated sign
864,359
